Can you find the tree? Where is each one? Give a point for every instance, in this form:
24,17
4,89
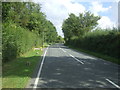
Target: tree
60,39
24,27
77,26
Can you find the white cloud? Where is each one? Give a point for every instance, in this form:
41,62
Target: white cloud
114,13
58,10
117,0
98,7
105,22
96,0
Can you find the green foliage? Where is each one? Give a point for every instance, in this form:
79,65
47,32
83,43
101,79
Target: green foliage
60,39
78,32
24,27
50,34
99,55
105,42
78,25
17,40
16,73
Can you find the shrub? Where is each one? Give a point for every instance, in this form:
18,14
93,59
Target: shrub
17,41
102,41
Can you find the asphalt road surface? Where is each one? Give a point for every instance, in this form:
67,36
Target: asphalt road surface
62,67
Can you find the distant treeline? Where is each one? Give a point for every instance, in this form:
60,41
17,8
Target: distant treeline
24,27
79,32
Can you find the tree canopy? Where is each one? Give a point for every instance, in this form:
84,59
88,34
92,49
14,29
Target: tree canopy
24,26
76,26
28,15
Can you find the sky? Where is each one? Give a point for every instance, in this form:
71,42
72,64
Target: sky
58,10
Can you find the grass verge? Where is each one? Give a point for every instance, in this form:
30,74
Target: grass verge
105,57
16,73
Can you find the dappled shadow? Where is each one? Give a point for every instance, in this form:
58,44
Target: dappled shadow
65,72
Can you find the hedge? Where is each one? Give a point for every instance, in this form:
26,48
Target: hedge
104,42
17,40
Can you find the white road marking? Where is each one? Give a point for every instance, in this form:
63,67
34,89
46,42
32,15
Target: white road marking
38,75
72,56
113,83
76,59
62,49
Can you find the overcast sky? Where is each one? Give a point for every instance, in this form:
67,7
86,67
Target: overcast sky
58,10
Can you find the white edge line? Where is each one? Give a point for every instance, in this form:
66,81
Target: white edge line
113,83
76,59
36,81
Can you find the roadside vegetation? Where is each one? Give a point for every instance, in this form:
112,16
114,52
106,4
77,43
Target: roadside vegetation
81,33
98,55
16,73
25,27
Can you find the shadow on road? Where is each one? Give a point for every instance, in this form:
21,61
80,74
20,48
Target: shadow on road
65,72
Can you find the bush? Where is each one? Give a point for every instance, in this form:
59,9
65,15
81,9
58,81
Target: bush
17,41
104,42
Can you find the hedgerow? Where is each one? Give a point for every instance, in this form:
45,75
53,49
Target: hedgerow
17,41
104,42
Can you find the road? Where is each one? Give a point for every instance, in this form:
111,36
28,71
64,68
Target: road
66,68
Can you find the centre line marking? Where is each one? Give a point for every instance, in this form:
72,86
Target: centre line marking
76,59
113,83
72,56
62,49
40,69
